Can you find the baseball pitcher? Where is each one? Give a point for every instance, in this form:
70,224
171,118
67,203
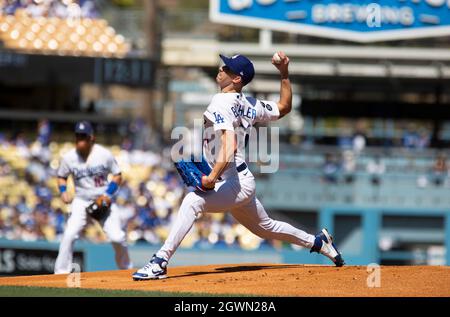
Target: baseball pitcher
90,164
223,182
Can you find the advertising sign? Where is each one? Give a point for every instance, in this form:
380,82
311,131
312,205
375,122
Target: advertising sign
352,20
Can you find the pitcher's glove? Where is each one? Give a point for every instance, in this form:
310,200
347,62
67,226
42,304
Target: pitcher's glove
100,208
192,174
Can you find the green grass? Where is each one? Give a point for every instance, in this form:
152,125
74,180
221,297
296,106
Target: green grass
25,291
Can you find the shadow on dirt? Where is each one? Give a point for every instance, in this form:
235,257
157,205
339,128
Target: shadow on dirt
241,268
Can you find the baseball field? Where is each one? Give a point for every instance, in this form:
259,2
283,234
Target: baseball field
245,280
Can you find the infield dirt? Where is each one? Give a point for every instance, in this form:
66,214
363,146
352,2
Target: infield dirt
267,280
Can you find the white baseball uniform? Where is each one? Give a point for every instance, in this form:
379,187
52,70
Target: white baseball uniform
90,178
235,192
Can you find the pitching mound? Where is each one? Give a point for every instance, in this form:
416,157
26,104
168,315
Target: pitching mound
266,280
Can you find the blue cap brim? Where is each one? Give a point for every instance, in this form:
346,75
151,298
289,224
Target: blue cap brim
83,132
228,62
224,59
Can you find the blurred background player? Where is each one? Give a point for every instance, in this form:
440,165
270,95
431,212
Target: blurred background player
90,164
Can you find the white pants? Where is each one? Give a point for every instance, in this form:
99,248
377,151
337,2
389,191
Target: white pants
237,195
114,227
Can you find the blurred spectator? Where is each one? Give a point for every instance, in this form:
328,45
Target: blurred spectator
35,172
51,8
22,206
37,9
360,136
439,170
127,144
125,193
5,169
141,134
58,221
424,139
376,169
43,192
41,153
330,169
349,166
410,137
10,6
21,144
44,132
345,142
359,142
89,9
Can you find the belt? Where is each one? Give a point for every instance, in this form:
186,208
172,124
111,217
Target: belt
241,167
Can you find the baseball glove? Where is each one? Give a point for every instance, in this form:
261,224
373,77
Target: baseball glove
100,208
192,173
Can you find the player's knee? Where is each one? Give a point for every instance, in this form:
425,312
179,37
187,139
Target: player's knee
70,236
194,202
116,237
267,224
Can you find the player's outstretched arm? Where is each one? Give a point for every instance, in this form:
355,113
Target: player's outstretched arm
224,157
285,103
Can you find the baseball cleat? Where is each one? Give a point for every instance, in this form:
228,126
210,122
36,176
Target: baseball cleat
154,270
323,244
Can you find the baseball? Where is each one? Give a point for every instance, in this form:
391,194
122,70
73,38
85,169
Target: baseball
276,58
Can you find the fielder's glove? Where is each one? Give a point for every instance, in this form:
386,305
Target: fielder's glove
192,173
100,208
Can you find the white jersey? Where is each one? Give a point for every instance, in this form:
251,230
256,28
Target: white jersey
234,112
90,176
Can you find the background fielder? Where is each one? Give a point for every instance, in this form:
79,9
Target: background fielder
231,185
90,164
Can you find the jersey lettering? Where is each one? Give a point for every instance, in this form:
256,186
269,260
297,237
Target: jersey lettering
90,171
238,111
241,111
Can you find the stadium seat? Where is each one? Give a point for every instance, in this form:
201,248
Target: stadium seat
54,35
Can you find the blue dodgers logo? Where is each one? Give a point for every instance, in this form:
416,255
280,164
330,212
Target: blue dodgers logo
357,20
218,118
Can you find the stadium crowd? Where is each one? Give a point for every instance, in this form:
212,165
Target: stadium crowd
51,8
31,209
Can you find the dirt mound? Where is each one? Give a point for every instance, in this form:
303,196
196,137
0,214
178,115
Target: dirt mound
267,280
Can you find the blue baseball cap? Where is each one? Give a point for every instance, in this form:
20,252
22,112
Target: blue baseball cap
84,127
241,66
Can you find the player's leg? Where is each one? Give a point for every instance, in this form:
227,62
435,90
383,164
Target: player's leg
115,228
77,221
255,218
190,208
226,195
